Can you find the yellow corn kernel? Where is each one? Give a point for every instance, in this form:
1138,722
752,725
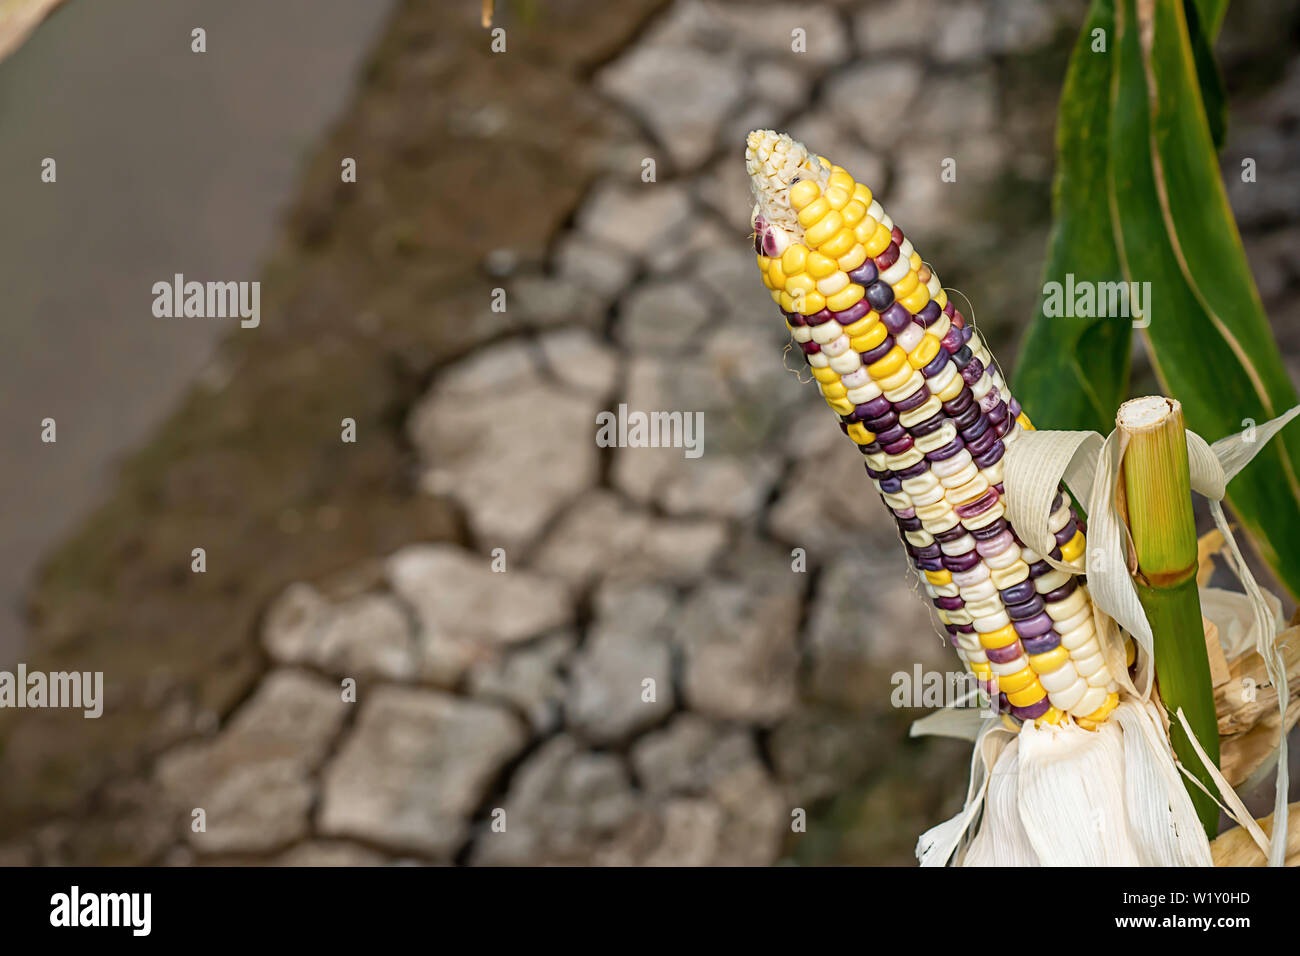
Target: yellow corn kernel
858,432
1000,638
915,301
839,244
1023,421
853,258
951,390
1052,717
800,284
905,285
864,230
834,389
837,196
861,326
939,577
942,299
825,229
915,261
794,258
896,381
1020,680
894,360
1049,661
1072,549
825,374
811,303
1030,695
853,213
868,340
924,354
813,213
819,266
847,297
862,194
839,177
802,193
880,240
776,274
841,406
786,301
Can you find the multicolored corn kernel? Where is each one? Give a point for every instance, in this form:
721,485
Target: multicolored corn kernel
919,394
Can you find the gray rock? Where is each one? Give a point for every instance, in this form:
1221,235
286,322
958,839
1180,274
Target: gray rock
690,831
682,95
741,657
875,97
577,359
529,678
689,754
664,315
898,25
415,768
868,619
845,510
638,219
565,805
825,133
511,457
466,611
628,645
549,302
254,780
330,853
817,753
365,635
594,263
962,32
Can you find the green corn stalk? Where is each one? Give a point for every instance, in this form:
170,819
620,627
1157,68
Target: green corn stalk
1157,496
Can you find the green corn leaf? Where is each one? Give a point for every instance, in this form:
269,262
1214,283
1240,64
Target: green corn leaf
1072,372
1208,76
1208,337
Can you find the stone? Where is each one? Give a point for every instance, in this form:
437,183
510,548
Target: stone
637,219
876,98
594,263
330,853
415,768
826,134
665,315
551,302
818,753
511,457
689,754
577,359
681,94
846,509
954,103
529,678
466,611
366,635
564,805
691,829
628,644
962,32
603,536
898,25
254,780
741,657
868,619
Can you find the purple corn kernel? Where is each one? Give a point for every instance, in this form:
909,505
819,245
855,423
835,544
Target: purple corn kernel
909,524
967,417
879,295
961,562
888,436
966,333
872,449
1056,553
877,406
897,235
888,257
896,318
991,399
915,400
931,424
912,471
898,447
864,274
1002,427
879,352
1041,644
810,348
983,443
1036,626
930,564
1039,568
1015,408
992,457
1022,612
947,451
1003,703
929,314
1066,533
891,485
978,428
977,507
1018,593
952,534
971,372
951,341
1003,655
937,364
948,309
949,603
881,422
1063,592
926,551
852,313
991,530
1033,711
963,357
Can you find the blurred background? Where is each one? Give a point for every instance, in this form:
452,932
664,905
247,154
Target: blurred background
496,585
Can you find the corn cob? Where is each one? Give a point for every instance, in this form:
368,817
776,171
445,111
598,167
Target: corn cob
917,391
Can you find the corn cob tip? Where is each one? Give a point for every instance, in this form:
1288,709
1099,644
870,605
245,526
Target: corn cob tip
776,162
